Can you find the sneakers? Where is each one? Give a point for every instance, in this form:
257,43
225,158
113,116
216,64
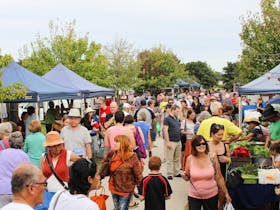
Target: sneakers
178,175
170,177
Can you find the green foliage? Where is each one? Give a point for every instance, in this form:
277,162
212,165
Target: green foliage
261,44
159,68
229,75
203,73
123,66
63,46
17,90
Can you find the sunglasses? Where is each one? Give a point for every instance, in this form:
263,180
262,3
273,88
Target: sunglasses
218,127
201,144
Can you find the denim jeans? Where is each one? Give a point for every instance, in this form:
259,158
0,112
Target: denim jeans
121,202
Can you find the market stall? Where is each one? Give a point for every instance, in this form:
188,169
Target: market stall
252,160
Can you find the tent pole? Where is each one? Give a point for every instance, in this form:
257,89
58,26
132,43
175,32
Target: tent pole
240,111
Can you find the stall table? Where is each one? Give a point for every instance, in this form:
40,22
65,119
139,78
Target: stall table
254,197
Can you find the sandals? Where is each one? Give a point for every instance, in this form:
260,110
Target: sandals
135,205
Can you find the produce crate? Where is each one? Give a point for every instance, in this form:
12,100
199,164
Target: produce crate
262,161
239,161
249,179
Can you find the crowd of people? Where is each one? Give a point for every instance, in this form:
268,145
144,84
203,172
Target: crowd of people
195,129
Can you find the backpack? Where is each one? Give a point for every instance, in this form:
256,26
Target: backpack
140,143
265,133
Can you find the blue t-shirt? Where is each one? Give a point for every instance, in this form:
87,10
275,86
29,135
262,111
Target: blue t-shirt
145,127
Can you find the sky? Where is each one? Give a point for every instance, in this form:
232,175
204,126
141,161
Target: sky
192,29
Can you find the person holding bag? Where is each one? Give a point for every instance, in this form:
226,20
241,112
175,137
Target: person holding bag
187,132
124,169
204,174
56,161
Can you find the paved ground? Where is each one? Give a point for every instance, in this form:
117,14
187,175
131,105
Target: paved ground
179,186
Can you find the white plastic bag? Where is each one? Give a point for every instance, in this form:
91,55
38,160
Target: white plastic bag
228,206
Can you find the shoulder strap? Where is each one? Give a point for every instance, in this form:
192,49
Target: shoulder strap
54,173
55,203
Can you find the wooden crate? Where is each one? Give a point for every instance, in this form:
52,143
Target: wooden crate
239,161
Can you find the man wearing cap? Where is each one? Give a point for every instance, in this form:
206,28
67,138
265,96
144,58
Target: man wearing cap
269,114
231,131
76,137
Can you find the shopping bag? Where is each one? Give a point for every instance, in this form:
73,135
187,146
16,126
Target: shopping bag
100,199
228,206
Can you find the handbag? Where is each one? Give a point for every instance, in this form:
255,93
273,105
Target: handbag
234,179
100,199
184,135
228,206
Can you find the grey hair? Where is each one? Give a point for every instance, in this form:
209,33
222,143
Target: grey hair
16,140
215,107
24,175
6,128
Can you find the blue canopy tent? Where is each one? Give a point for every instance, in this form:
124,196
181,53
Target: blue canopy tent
38,89
196,84
275,100
182,83
269,83
64,76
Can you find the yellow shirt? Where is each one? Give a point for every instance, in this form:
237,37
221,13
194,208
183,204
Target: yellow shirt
229,128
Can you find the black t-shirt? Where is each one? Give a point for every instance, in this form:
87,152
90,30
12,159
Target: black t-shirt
155,188
174,128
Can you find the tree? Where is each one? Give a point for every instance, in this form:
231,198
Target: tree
203,73
123,65
229,76
261,44
17,90
63,46
160,68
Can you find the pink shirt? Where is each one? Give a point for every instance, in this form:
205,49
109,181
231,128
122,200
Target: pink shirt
203,181
115,131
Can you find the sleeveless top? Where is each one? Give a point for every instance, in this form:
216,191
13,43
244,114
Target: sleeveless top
223,166
203,184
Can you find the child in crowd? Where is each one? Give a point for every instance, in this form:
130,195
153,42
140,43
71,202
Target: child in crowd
275,155
155,188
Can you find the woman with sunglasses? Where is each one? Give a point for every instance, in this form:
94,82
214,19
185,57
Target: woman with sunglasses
83,179
218,147
204,173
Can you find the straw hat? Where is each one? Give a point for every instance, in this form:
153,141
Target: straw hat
52,139
74,113
88,110
252,119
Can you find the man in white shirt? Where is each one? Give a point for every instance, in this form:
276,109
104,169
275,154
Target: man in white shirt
28,185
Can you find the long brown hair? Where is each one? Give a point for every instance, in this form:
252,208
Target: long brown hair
125,147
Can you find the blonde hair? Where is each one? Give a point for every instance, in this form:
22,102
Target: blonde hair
125,147
35,126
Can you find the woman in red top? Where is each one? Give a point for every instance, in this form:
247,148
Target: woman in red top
60,160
